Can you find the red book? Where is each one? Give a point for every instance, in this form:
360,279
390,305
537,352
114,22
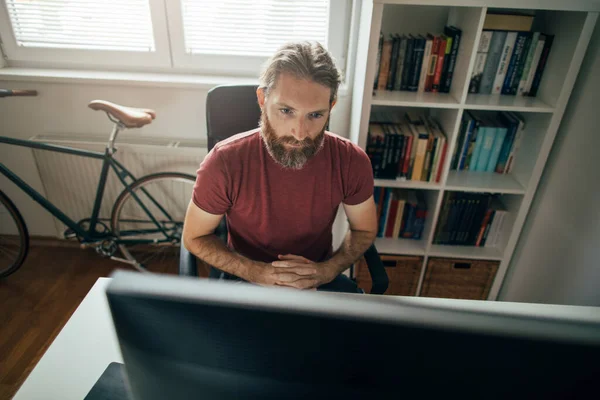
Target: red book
389,228
406,165
442,159
435,49
439,65
486,220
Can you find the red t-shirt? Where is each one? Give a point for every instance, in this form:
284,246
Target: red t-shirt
271,210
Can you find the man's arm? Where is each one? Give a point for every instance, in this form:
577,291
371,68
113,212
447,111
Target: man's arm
200,240
363,230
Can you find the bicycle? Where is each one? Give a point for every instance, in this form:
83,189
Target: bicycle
146,220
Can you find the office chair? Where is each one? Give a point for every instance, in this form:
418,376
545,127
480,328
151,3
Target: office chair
231,109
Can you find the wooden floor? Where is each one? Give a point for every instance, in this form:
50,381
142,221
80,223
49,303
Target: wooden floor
37,301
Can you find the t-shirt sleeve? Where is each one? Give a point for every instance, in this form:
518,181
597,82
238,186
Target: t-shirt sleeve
213,183
359,178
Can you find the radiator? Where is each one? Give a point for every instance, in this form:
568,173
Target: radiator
70,181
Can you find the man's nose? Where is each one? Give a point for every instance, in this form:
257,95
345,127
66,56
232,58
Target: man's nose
300,132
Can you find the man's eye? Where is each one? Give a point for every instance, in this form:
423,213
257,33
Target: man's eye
316,115
285,111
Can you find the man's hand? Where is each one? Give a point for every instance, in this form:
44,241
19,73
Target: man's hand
301,273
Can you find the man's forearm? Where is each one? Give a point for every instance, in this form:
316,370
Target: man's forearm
353,247
214,252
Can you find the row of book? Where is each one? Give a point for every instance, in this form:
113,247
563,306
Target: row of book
401,213
417,63
409,148
510,58
488,142
471,219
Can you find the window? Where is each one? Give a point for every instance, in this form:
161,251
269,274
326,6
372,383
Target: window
232,37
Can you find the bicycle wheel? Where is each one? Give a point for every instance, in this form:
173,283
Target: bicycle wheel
14,238
147,220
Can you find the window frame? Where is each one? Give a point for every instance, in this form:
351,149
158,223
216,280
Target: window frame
243,65
62,57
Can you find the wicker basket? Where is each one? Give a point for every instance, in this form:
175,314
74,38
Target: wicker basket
403,273
458,279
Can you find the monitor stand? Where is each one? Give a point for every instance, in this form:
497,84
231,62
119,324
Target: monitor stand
111,384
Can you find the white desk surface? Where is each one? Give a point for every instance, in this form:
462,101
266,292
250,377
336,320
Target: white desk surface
88,343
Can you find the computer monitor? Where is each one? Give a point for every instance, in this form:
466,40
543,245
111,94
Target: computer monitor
186,338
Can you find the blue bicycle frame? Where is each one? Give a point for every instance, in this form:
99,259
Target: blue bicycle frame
108,161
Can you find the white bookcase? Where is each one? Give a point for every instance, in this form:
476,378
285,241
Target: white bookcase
572,23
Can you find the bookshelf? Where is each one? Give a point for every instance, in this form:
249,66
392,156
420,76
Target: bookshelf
572,23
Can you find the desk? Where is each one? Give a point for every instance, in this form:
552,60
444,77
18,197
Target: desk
88,343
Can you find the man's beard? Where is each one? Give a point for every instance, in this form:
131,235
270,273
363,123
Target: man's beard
294,158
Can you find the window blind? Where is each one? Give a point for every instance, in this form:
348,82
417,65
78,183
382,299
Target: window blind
123,25
251,27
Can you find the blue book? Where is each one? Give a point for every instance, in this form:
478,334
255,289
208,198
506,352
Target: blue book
492,61
512,124
384,212
465,148
478,143
496,147
487,136
515,59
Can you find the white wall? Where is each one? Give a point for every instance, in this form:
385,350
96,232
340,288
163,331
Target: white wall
62,108
557,259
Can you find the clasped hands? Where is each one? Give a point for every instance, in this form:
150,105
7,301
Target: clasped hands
298,272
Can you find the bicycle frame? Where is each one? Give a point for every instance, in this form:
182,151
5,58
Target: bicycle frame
108,161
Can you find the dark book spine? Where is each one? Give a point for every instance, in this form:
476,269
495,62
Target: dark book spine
542,64
393,63
379,50
410,211
443,220
419,49
457,218
487,229
447,78
401,154
408,61
520,65
514,60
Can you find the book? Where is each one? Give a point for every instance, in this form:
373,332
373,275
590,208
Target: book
528,62
520,65
400,62
496,227
438,159
442,234
421,138
458,148
456,34
439,66
541,66
384,67
508,22
402,197
516,143
478,141
472,144
393,62
408,62
488,134
507,50
499,137
512,125
521,46
421,215
391,219
425,63
378,62
435,49
534,63
384,212
410,211
419,50
480,59
491,63
467,140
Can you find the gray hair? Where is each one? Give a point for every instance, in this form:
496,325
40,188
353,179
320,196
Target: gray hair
305,60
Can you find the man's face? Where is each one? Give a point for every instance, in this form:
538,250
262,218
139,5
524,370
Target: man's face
293,120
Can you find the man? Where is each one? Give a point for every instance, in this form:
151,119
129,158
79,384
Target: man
280,185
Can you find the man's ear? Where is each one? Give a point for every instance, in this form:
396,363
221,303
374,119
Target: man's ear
260,95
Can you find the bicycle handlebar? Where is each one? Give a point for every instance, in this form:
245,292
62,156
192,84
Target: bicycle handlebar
17,92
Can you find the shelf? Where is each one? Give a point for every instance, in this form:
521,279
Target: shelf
414,99
469,252
400,246
407,184
496,102
469,181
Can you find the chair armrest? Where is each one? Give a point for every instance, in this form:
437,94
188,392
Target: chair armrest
187,262
376,270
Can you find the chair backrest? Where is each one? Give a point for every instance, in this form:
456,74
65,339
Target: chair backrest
230,109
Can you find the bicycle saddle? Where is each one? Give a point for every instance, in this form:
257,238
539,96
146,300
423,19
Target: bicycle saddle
128,116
